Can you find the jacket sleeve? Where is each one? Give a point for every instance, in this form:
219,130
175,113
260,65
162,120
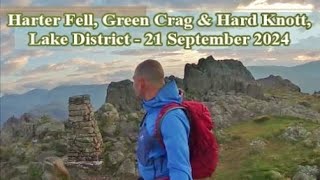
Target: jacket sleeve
175,132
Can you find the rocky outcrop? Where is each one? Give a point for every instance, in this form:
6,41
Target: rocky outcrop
121,95
227,109
49,131
316,94
219,75
17,129
226,86
108,120
14,121
307,172
84,139
313,141
295,133
119,133
276,82
257,146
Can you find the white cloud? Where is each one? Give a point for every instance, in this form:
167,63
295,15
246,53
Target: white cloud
44,69
306,57
7,44
17,60
315,3
73,71
84,71
13,65
79,66
174,62
271,59
263,5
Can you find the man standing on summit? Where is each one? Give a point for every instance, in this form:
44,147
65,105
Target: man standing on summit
169,159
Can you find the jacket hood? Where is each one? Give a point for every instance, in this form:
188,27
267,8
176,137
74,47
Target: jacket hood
169,93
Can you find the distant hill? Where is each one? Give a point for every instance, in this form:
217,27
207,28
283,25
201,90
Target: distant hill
306,76
54,102
50,102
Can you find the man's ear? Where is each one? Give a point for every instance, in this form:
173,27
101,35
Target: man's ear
143,82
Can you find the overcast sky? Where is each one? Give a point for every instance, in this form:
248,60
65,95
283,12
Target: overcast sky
24,68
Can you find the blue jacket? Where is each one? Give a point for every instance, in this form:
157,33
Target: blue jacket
155,161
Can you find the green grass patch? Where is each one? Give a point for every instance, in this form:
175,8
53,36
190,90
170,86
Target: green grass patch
278,158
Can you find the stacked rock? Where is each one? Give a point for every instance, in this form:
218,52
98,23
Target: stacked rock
85,140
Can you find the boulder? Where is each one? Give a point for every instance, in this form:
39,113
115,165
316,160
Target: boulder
115,157
50,130
219,75
18,129
314,139
295,133
316,94
127,168
257,146
108,118
121,95
232,108
307,173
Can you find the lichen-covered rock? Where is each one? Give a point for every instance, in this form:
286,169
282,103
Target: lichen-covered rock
314,139
127,168
227,109
18,129
220,75
257,146
115,157
128,128
108,119
122,96
316,94
50,130
107,110
295,133
307,173
21,169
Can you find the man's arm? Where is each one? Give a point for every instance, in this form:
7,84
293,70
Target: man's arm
175,131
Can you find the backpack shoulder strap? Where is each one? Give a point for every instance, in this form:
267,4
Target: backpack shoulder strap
161,115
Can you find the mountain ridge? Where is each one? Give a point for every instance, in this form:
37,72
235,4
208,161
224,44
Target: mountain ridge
17,104
304,75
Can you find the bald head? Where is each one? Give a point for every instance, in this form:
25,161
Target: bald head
150,70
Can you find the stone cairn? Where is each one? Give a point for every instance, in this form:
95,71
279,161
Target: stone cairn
84,139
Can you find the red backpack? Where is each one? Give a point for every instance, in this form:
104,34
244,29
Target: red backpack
203,145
